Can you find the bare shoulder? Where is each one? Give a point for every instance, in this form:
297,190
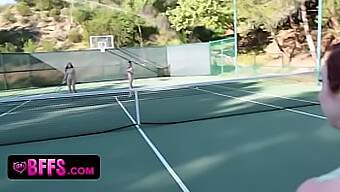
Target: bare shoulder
329,182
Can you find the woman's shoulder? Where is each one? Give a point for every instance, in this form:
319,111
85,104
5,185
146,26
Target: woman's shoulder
329,182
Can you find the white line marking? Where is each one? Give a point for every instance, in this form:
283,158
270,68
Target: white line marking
271,95
15,108
155,150
268,105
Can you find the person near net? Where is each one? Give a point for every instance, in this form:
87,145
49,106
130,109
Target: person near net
129,74
329,97
70,77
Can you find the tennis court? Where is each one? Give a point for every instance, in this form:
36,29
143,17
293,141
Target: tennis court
263,134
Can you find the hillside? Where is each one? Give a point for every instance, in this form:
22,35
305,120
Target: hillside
26,28
50,25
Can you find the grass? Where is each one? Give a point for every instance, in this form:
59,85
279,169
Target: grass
253,59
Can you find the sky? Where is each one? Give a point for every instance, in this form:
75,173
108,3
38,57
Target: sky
2,2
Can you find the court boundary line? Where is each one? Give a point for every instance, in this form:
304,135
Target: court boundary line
152,88
267,105
13,109
271,95
160,157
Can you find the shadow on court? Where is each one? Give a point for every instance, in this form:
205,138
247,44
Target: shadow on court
239,146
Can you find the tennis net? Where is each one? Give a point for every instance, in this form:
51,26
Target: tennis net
60,115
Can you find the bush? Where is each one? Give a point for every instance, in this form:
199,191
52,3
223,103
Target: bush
43,5
55,13
74,36
7,48
30,46
48,47
9,17
59,4
30,3
82,15
123,26
23,9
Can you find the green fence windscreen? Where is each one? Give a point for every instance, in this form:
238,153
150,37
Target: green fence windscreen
21,70
222,53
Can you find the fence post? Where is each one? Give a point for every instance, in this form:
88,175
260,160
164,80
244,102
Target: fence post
3,66
30,68
222,57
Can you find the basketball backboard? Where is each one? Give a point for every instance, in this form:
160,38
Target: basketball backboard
102,42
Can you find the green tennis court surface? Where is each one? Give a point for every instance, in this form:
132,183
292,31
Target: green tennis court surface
256,135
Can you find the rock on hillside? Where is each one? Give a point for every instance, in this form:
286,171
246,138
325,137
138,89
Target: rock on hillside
41,28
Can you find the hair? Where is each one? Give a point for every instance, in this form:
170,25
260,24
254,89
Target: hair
69,67
333,66
130,63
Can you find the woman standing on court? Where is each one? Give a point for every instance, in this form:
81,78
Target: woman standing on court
130,73
70,77
329,97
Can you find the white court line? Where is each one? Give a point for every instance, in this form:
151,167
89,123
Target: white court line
155,150
15,108
264,104
271,95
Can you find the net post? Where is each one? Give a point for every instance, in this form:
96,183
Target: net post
137,107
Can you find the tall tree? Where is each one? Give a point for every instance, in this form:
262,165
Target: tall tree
309,38
215,15
269,15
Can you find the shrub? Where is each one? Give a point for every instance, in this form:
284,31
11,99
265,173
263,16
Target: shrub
74,36
55,13
7,48
48,46
82,15
30,46
23,9
9,17
43,5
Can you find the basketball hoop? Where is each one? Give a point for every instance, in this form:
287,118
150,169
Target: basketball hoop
102,42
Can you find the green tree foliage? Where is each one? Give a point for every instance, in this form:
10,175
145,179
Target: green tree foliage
82,14
23,9
215,15
8,48
122,26
74,36
55,13
267,14
137,5
331,15
30,46
45,5
30,3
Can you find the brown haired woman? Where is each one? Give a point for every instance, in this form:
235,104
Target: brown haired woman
70,77
130,72
329,97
